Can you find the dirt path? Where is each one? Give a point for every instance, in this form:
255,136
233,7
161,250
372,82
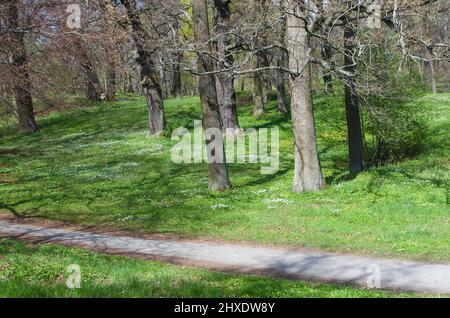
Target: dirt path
365,272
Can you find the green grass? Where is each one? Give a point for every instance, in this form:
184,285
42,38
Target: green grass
41,271
95,166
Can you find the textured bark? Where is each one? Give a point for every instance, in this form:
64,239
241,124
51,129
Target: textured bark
432,76
226,94
126,81
258,93
307,174
111,81
281,63
327,77
260,85
176,76
354,127
218,172
22,83
147,71
109,18
93,83
281,94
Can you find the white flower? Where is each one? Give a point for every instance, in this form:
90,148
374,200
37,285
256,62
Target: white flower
219,206
277,200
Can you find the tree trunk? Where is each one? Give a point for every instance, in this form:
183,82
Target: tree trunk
307,175
109,17
327,77
355,136
111,81
432,76
281,63
176,76
149,81
218,172
260,86
281,93
226,94
93,83
22,82
127,81
258,93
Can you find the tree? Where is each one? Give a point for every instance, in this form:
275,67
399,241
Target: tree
307,175
354,127
18,60
261,61
281,64
108,24
327,76
92,81
226,93
218,172
148,75
176,90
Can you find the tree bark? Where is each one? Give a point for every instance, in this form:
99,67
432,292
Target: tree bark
127,81
432,76
147,71
93,83
307,174
111,81
258,93
22,82
109,18
176,76
281,93
218,172
281,63
226,94
260,85
327,77
354,127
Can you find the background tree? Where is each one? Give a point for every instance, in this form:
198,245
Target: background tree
18,61
307,175
148,75
218,172
226,93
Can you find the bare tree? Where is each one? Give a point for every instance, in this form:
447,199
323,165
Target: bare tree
149,81
307,175
19,64
218,172
109,19
281,63
261,61
226,93
176,90
352,107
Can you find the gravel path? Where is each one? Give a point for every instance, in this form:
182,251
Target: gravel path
325,267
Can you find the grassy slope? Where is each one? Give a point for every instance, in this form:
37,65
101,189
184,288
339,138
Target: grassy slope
41,271
95,166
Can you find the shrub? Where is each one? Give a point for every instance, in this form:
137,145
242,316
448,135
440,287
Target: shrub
395,129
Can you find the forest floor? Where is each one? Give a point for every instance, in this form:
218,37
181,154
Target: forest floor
297,264
94,165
